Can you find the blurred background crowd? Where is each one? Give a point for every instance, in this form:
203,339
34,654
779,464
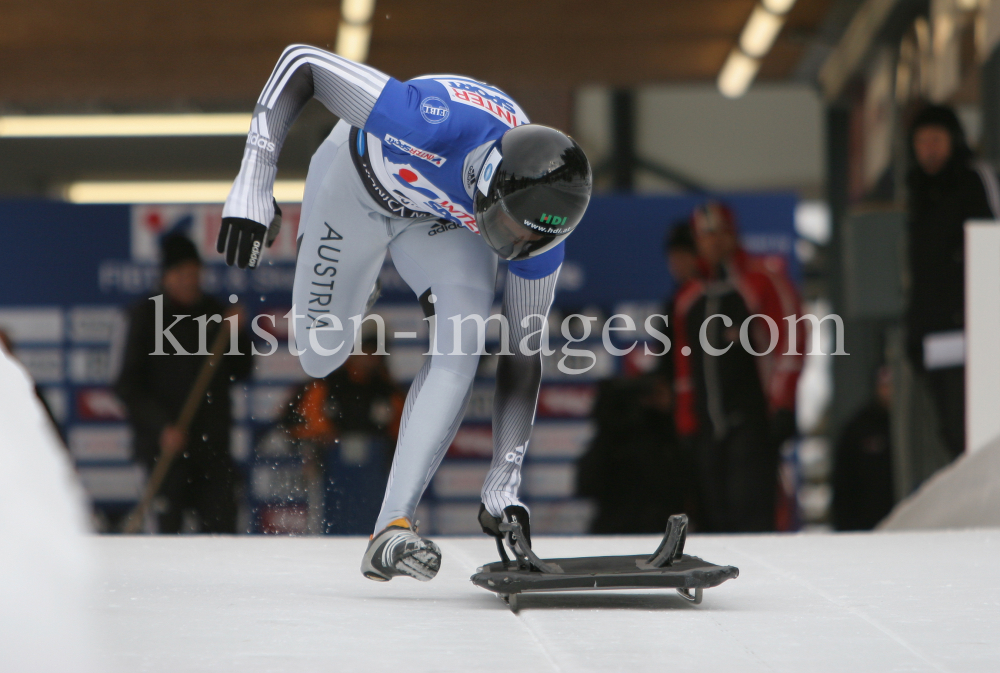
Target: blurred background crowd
764,159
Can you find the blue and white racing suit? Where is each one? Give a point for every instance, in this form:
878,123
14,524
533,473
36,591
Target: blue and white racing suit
398,174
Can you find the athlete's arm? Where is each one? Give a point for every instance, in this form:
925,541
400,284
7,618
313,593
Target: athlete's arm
527,299
348,89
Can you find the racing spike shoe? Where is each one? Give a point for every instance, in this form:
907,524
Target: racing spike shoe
397,550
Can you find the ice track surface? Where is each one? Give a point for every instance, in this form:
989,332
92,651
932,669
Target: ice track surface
927,601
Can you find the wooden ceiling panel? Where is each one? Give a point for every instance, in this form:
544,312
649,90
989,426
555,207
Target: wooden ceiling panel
158,24
647,61
155,54
496,24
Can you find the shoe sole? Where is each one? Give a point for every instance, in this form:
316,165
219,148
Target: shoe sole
422,564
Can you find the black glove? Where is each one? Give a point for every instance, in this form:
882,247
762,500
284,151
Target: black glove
243,240
243,236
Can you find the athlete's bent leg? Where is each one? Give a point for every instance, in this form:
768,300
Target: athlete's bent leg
342,245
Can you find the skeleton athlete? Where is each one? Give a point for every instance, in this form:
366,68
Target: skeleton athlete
447,175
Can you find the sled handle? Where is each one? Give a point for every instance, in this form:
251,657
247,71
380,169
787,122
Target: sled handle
525,556
672,546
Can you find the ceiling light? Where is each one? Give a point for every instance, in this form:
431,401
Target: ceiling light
352,41
759,33
357,11
83,126
737,74
174,191
778,6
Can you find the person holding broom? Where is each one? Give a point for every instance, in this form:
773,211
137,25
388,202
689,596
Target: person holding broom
168,337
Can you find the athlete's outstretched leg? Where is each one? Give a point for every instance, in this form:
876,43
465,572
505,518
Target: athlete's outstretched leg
458,268
518,379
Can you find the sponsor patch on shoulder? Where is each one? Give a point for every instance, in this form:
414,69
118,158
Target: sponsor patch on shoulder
404,146
489,168
478,95
434,110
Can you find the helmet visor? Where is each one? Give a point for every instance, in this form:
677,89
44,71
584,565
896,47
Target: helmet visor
511,239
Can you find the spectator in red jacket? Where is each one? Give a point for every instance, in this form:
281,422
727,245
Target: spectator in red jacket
767,290
735,409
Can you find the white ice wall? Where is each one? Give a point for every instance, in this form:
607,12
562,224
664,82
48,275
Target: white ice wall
965,494
46,562
982,334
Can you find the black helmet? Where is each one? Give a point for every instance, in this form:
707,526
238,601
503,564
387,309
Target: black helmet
532,191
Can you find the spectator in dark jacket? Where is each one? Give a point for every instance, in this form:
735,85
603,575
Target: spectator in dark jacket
862,465
634,470
945,189
203,478
630,469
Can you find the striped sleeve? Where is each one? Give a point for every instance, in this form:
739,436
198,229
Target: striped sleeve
348,89
526,305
